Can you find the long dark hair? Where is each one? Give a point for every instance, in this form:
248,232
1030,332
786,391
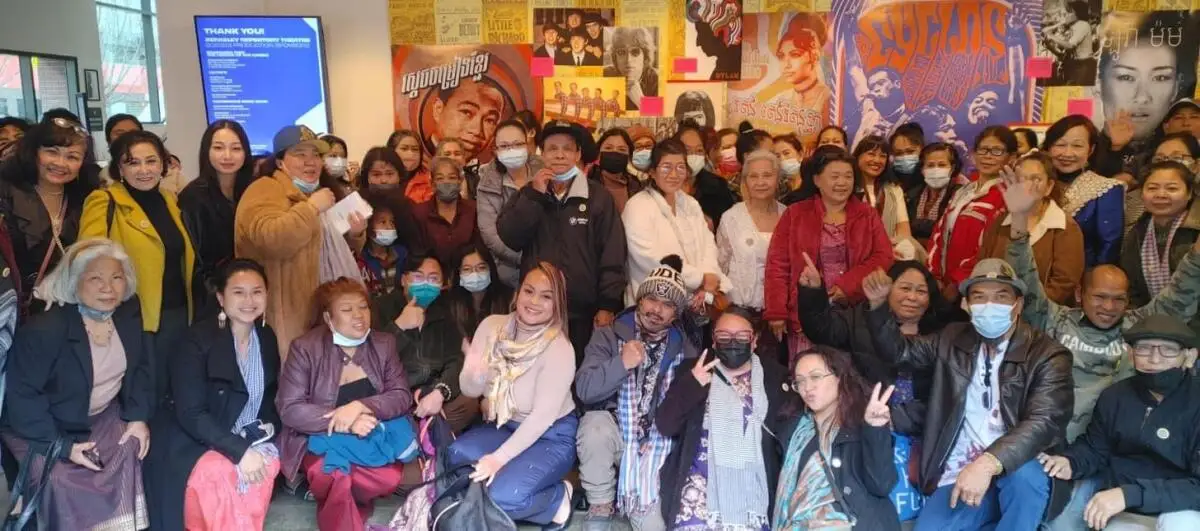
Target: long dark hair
852,388
939,312
21,170
385,155
244,175
496,299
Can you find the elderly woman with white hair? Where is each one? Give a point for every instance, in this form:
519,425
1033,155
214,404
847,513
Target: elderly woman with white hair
80,390
746,229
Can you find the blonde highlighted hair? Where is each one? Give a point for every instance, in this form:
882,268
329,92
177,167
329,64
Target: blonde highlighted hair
558,286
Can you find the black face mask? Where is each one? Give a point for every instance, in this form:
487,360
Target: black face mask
733,354
613,162
1160,382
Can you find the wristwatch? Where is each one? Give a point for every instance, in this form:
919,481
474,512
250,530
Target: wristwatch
444,389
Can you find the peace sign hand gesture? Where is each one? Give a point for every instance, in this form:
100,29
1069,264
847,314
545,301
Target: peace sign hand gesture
702,371
809,277
878,414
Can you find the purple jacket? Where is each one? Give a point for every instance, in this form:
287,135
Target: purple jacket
308,389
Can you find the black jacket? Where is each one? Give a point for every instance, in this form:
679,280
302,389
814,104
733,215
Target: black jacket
50,375
1036,389
922,229
431,354
581,235
681,417
714,195
864,472
1125,446
28,226
208,217
209,394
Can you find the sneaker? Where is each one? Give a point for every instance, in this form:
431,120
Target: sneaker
599,517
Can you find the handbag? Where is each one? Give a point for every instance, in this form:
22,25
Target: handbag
466,506
22,491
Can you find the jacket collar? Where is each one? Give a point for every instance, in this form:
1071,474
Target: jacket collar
128,330
1053,218
289,188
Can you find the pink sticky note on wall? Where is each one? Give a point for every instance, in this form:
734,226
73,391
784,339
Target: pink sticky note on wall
1039,67
685,65
1080,106
651,106
542,67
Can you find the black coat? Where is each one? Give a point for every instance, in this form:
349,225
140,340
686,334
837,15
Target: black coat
28,226
208,217
922,229
714,195
1124,446
431,354
863,472
50,375
681,417
208,395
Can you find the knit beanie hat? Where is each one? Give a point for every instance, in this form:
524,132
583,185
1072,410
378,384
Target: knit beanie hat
666,283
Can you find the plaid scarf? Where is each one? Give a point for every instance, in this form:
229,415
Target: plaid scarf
927,205
645,449
737,480
1156,269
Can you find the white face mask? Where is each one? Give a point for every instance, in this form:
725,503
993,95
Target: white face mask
336,166
385,237
696,163
790,167
513,158
937,178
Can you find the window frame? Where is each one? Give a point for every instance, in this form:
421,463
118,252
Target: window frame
149,15
30,108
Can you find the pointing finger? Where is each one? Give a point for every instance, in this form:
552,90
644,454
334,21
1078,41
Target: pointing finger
808,260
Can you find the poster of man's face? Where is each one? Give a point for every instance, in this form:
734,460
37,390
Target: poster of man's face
632,53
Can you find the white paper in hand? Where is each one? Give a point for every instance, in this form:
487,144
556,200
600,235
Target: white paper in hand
339,213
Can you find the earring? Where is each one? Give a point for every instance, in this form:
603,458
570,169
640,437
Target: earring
221,317
264,319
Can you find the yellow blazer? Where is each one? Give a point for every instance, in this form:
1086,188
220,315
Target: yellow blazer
132,229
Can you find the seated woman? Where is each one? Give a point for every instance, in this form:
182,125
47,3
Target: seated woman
81,372
521,363
724,413
339,378
837,464
214,461
1164,234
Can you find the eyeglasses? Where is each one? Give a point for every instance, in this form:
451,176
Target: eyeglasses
1186,161
802,383
481,268
995,152
1166,351
514,145
67,124
667,169
725,338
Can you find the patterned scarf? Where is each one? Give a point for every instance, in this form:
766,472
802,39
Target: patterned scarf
805,497
927,205
645,449
737,479
509,358
1156,269
253,374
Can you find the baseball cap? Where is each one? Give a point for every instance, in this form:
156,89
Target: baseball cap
992,270
295,135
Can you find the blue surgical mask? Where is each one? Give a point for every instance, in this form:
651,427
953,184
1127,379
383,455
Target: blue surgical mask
905,163
991,319
93,314
568,175
424,293
306,186
385,237
475,282
790,167
349,342
513,158
641,159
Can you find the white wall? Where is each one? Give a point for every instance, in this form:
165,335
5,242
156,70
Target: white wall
357,53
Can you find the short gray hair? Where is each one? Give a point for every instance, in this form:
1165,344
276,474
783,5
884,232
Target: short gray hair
61,285
757,155
437,162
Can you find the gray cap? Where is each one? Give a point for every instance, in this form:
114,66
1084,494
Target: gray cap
1162,326
992,270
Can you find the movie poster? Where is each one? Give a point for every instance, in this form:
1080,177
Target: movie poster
787,75
632,54
584,100
713,36
1069,36
462,92
703,103
574,38
954,66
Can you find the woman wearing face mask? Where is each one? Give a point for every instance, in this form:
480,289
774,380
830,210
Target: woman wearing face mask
706,187
341,384
725,156
146,221
880,190
939,163
429,341
612,169
1056,239
723,409
837,469
643,144
1165,232
279,224
954,245
906,144
338,165
789,150
1179,147
499,181
475,291
383,253
415,179
1097,203
447,223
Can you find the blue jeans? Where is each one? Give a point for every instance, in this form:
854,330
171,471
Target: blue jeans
530,487
1015,501
1071,518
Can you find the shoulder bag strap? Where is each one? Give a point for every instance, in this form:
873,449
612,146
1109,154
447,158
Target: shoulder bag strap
112,212
34,498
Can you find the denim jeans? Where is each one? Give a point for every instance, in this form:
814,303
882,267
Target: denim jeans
1071,518
1015,501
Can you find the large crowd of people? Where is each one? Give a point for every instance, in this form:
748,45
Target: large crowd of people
717,330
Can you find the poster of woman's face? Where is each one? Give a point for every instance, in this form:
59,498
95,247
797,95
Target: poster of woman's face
1147,62
632,53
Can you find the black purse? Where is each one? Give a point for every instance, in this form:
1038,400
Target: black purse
466,506
32,496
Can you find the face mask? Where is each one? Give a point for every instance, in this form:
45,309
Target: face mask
696,163
992,319
641,159
385,187
937,178
424,293
343,341
790,166
1160,382
906,163
513,158
306,186
568,175
475,282
336,166
385,237
733,354
448,192
729,154
613,162
95,315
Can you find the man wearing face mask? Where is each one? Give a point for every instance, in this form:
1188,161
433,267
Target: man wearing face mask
446,223
566,219
627,370
643,145
1001,394
1139,454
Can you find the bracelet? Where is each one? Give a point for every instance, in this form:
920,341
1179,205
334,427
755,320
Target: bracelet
995,461
444,389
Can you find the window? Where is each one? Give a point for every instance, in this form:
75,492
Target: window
32,84
130,75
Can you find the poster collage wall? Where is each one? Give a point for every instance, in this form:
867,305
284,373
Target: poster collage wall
460,67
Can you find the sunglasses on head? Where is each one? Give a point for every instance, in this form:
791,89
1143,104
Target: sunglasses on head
68,124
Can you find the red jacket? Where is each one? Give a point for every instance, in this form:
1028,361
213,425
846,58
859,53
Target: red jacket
952,256
799,231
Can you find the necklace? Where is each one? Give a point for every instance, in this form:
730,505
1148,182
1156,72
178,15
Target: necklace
347,359
99,332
